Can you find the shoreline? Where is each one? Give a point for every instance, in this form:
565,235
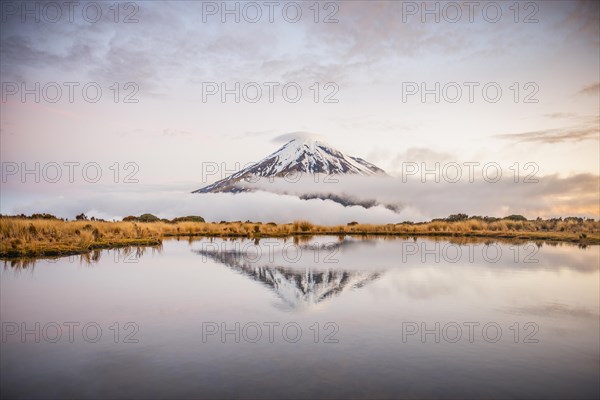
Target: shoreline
33,238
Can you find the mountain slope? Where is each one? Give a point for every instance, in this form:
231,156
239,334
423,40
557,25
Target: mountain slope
297,156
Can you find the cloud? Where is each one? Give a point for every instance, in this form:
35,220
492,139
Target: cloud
551,196
411,197
582,22
591,90
560,115
554,310
584,131
286,137
362,46
258,206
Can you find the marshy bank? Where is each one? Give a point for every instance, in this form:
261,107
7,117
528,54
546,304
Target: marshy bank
34,237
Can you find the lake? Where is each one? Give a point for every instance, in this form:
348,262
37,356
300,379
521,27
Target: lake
321,317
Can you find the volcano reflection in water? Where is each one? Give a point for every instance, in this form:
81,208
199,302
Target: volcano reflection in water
298,287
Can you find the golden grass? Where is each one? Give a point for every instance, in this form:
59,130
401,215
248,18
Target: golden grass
42,237
23,237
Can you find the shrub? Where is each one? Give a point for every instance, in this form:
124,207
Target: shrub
190,218
304,226
457,217
32,230
43,216
148,218
515,217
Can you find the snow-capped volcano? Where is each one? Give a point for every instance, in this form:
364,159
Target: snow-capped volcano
308,156
298,287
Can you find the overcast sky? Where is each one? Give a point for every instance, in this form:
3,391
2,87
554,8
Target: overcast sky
369,57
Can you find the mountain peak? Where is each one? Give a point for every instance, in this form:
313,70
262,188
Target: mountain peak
299,155
306,141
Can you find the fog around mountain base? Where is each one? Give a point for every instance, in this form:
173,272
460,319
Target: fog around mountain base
366,200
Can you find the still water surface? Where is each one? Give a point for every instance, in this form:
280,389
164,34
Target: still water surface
325,317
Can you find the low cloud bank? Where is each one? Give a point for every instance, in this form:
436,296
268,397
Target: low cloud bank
334,201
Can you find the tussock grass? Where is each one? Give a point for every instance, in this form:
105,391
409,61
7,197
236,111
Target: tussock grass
21,237
33,237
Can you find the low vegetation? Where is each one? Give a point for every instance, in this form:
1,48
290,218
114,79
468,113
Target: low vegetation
22,236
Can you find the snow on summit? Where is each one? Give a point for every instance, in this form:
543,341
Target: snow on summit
299,155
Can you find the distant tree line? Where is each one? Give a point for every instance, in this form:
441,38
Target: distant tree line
33,216
154,218
195,218
514,217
